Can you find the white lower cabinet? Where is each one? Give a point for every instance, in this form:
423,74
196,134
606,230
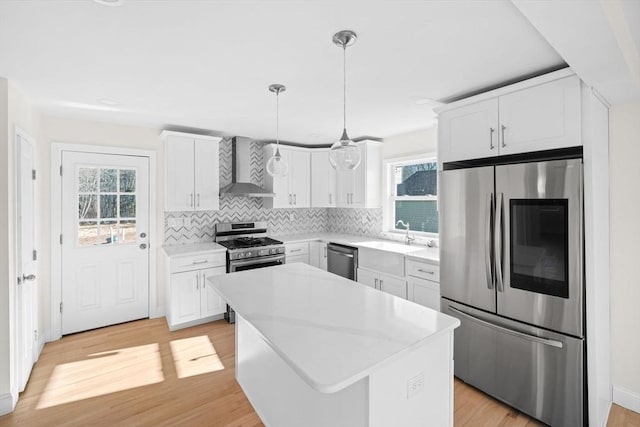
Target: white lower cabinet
297,252
390,284
423,285
191,300
318,255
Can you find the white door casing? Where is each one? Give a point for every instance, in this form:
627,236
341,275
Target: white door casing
27,289
105,239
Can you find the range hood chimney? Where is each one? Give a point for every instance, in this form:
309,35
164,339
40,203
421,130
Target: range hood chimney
240,172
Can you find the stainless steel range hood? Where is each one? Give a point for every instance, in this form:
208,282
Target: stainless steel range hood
241,184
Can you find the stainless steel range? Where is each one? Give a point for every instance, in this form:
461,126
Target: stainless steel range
248,247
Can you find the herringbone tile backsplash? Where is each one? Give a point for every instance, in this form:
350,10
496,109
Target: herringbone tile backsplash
280,221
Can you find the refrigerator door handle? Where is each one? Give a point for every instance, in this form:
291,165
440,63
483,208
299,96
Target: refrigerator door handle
528,337
487,241
497,234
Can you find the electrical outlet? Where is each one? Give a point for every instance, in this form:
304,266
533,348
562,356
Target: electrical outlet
175,223
415,385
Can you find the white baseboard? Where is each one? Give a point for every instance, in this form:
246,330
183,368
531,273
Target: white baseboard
8,402
626,398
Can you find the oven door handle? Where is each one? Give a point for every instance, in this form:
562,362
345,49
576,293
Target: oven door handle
528,337
260,260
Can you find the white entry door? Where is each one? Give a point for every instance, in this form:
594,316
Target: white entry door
105,235
27,290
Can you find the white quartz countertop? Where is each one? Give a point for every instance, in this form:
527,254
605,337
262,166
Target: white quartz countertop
330,330
417,252
192,248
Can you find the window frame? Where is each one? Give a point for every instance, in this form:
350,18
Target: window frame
390,197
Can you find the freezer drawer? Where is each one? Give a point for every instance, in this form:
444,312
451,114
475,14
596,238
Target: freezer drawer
536,371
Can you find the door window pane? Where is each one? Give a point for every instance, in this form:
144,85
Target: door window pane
127,233
88,180
421,215
108,180
127,206
539,246
87,206
127,180
108,206
108,232
87,233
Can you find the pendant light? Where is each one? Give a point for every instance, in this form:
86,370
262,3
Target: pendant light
277,166
344,153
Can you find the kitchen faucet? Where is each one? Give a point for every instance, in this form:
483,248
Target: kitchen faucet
408,239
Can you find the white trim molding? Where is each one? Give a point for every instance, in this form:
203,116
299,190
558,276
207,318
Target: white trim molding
55,328
8,402
626,398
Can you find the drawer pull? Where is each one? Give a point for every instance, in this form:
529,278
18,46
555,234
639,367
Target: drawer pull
426,271
295,250
203,261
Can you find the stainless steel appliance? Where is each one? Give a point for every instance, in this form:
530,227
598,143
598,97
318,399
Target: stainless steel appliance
248,247
342,260
511,269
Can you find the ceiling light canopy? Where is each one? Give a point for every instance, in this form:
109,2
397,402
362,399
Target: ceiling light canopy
344,153
276,165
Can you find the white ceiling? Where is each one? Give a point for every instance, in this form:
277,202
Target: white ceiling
207,64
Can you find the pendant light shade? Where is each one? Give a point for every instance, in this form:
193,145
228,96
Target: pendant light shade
276,165
344,153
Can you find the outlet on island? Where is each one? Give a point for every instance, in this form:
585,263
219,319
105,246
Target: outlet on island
415,385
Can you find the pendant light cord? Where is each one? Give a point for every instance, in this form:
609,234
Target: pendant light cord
344,83
277,120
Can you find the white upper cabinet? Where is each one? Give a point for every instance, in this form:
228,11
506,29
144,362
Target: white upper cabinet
469,132
360,188
192,172
542,113
323,180
543,117
293,190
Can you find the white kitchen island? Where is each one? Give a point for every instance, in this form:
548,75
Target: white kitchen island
315,349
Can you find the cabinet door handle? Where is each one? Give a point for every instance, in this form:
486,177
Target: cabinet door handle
289,198
375,283
191,199
491,132
198,281
198,199
381,282
503,127
426,271
295,199
204,280
329,198
325,251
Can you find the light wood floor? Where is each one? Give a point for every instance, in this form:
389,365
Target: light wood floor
139,373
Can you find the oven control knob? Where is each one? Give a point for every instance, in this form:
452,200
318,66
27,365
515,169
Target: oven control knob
240,255
280,250
272,251
247,254
263,252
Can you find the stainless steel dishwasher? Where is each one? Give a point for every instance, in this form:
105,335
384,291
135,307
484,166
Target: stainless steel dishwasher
342,260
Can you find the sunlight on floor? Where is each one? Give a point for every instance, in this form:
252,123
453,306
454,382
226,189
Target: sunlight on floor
103,373
195,356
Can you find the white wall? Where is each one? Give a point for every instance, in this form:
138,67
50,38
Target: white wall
625,252
64,130
423,141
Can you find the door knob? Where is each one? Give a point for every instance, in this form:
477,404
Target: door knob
29,278
143,235
143,246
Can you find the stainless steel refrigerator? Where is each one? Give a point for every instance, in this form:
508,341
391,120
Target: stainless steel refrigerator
512,266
